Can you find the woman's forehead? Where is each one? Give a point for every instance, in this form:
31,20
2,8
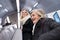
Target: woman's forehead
23,10
34,13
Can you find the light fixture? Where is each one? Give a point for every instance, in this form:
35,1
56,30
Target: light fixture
0,5
6,10
29,8
35,4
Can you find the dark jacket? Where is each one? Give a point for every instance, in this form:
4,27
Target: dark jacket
45,25
27,30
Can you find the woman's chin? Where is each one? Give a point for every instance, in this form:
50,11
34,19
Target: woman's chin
34,22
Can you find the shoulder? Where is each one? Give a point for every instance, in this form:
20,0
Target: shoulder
49,20
43,20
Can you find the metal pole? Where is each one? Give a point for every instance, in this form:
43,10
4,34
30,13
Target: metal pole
18,12
19,31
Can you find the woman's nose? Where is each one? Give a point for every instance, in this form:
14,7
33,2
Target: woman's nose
32,17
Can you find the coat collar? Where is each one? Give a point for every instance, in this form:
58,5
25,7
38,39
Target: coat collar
40,22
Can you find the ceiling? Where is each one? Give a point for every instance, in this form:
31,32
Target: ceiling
47,5
8,6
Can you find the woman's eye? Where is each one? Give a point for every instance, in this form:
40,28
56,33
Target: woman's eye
25,12
32,15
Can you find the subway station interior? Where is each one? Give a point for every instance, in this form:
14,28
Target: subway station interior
9,15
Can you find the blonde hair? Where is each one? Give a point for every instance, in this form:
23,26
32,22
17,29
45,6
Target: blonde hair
21,13
39,12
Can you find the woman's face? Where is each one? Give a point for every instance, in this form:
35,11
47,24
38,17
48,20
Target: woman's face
24,13
34,17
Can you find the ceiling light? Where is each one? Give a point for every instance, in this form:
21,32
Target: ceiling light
0,5
35,4
6,10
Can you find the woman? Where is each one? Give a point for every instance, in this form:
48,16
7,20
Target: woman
42,24
27,24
